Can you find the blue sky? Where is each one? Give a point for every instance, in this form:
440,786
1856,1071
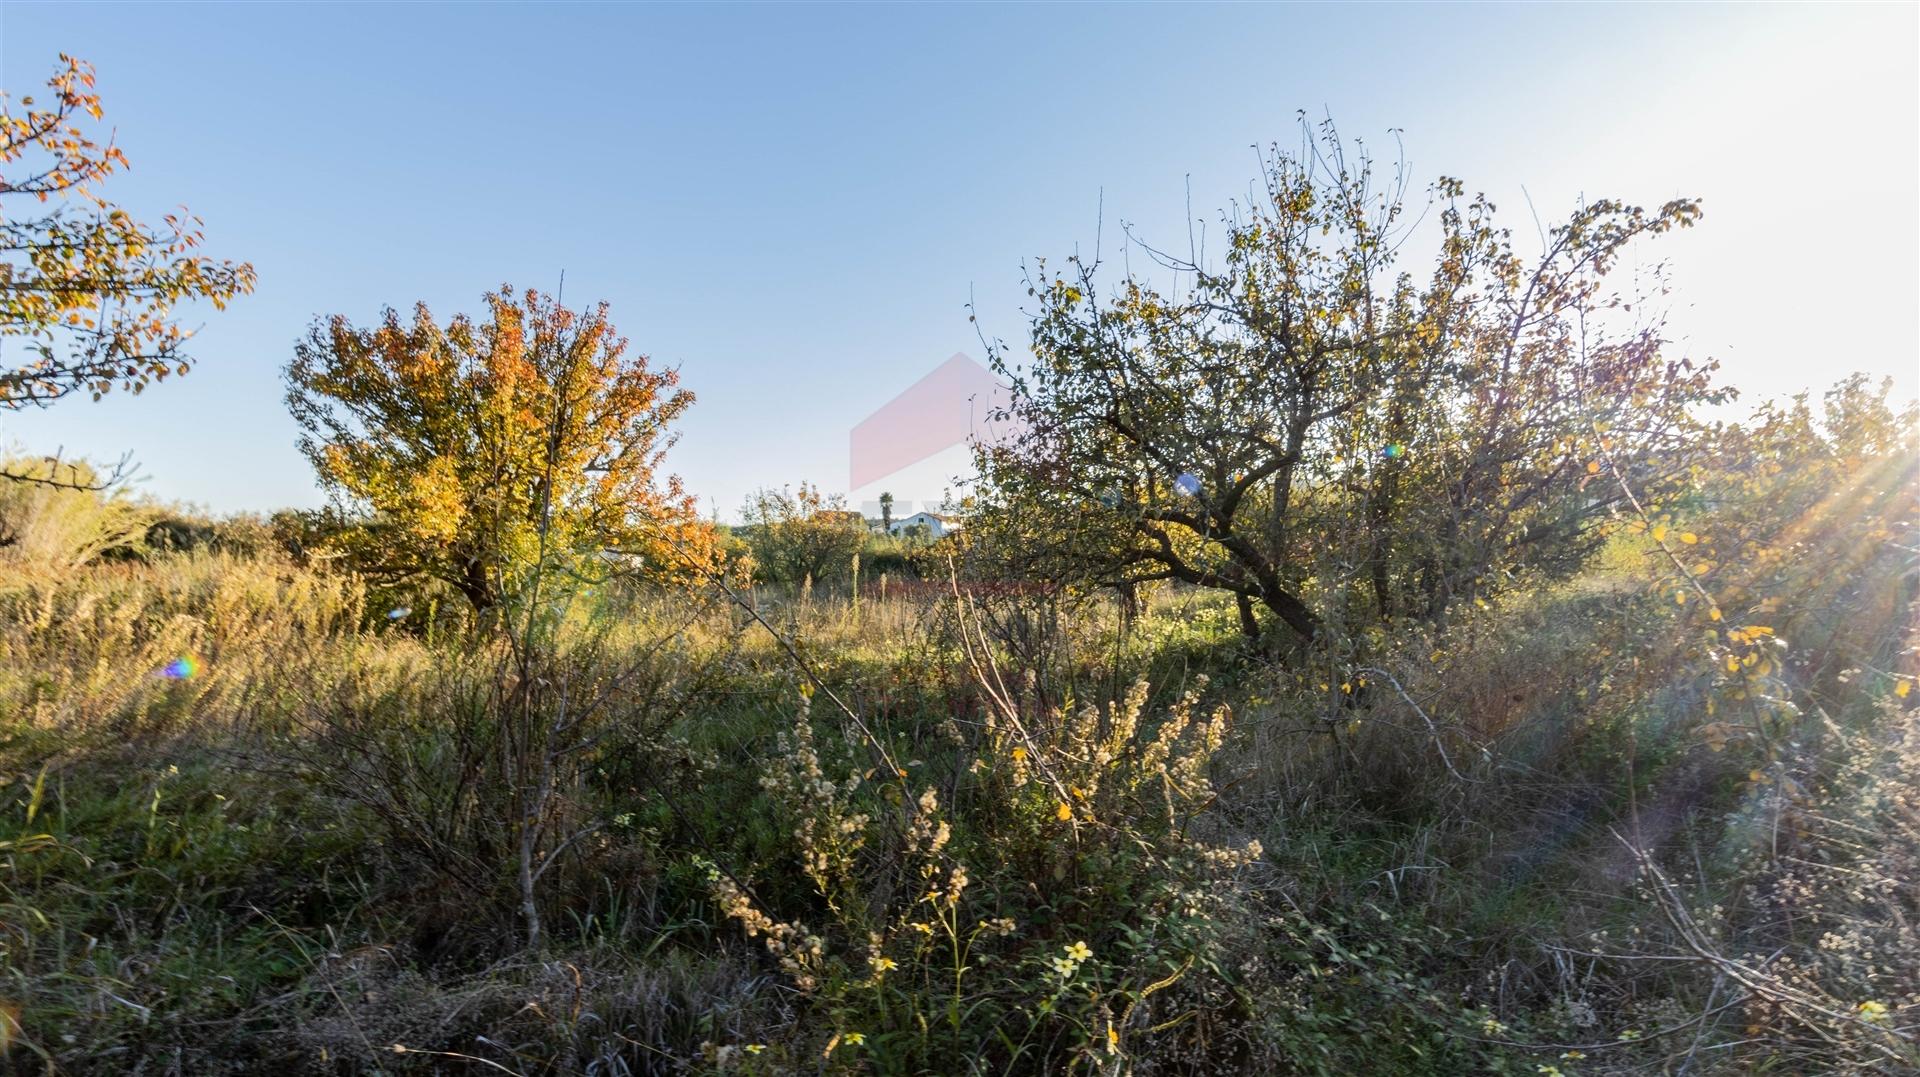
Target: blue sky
794,204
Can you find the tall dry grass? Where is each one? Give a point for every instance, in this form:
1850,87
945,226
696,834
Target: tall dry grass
1587,829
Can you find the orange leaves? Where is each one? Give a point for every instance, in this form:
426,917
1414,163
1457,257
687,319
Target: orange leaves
93,291
478,445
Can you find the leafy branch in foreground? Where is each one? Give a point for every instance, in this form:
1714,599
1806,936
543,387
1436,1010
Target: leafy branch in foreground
88,289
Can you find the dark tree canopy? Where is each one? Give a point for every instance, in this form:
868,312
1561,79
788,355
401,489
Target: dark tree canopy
1322,433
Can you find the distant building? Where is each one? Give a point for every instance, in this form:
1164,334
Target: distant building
936,524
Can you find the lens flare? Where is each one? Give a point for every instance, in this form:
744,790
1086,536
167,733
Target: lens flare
184,668
1394,452
398,612
1187,485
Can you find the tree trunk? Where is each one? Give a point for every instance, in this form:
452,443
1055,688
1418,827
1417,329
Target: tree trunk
477,588
1289,609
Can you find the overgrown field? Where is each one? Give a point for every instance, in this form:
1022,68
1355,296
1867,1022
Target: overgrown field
257,820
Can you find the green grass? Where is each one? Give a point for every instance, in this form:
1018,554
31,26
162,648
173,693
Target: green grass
221,874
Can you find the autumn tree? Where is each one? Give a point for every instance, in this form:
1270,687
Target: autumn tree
473,450
88,291
802,534
1320,435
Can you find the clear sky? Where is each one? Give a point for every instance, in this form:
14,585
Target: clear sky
794,203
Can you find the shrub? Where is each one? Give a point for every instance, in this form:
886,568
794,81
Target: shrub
1033,924
53,521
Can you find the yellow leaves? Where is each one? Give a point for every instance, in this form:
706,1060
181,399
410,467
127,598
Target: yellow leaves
473,435
435,501
1064,812
1689,538
1901,688
1660,533
851,1039
1714,613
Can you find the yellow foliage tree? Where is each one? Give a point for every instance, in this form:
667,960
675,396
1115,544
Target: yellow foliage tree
476,451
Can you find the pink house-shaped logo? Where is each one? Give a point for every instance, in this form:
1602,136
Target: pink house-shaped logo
948,407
